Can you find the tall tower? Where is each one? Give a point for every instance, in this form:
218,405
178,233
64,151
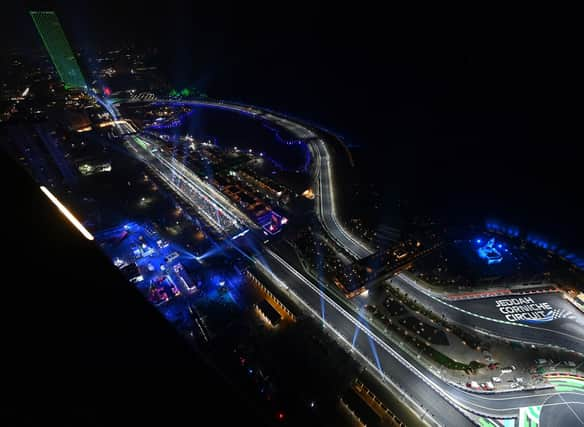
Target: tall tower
56,43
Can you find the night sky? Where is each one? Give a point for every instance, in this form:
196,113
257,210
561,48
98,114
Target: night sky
473,112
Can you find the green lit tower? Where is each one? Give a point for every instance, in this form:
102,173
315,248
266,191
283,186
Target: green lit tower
56,43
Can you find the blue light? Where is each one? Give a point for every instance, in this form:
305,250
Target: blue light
374,351
355,335
478,240
499,246
489,253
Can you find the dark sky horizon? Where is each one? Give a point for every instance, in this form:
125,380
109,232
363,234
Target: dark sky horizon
472,107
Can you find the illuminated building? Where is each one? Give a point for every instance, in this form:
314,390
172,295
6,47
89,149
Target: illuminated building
58,47
400,253
89,168
271,222
268,313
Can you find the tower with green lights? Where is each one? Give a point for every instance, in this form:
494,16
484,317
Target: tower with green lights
56,43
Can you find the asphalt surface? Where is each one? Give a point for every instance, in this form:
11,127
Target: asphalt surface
438,401
567,332
554,412
202,196
376,356
435,394
326,206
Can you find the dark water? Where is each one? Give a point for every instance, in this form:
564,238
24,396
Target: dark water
459,167
229,129
452,159
461,118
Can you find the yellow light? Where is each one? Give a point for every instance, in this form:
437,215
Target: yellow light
112,122
309,194
66,213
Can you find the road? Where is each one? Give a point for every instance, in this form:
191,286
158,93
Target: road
323,172
354,335
206,200
395,365
514,331
326,205
442,402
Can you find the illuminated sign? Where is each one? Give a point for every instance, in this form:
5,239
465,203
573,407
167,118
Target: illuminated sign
525,309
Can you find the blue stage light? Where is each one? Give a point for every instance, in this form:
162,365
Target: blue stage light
489,253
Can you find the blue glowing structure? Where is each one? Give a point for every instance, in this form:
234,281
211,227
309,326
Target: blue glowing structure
509,230
489,252
272,222
537,240
170,124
